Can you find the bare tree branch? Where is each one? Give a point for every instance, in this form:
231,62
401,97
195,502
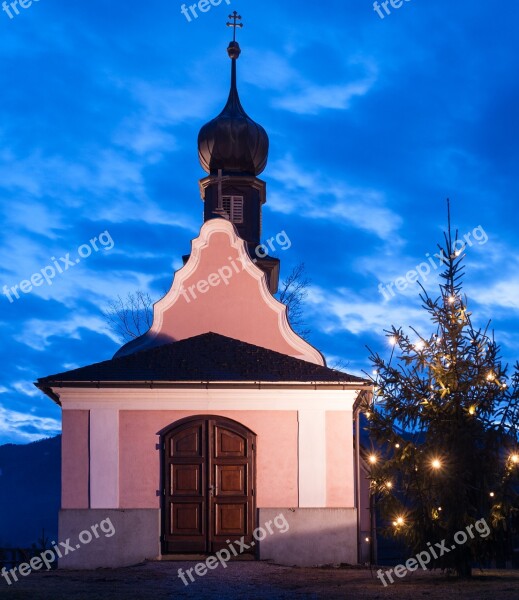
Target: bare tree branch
292,293
130,317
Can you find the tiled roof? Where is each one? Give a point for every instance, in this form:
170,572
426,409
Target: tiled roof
209,357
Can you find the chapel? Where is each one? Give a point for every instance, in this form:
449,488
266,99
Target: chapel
221,417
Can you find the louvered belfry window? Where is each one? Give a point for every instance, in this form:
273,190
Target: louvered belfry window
233,207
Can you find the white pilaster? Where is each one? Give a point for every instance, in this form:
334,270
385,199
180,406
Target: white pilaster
104,458
312,458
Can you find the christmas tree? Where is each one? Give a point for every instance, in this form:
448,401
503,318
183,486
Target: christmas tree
443,423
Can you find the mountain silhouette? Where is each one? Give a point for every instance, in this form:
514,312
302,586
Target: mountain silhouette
30,490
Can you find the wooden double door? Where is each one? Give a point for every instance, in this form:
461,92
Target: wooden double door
209,480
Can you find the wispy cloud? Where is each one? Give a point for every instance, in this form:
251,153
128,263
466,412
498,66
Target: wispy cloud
500,293
316,195
37,333
26,427
26,388
299,94
348,311
311,99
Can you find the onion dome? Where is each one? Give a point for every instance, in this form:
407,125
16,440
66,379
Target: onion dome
232,141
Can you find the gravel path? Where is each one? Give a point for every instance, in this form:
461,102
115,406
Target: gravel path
254,581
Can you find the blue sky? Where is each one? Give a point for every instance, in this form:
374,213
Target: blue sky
373,123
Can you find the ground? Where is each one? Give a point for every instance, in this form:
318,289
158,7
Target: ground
255,581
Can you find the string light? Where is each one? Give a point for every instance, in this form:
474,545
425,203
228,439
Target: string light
393,340
472,410
491,494
436,463
514,458
419,345
451,299
399,521
372,458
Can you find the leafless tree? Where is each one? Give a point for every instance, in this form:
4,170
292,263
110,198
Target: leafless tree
131,316
292,292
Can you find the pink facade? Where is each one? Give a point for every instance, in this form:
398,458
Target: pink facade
139,456
75,461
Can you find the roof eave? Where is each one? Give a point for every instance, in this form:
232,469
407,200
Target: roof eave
48,387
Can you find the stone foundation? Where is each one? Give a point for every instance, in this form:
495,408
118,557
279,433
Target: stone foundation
135,537
315,536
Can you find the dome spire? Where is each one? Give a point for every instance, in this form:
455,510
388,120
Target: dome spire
234,52
233,151
232,142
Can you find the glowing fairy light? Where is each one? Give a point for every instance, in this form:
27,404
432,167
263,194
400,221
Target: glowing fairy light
419,345
373,459
393,340
436,463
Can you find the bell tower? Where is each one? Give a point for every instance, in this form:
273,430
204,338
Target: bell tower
233,150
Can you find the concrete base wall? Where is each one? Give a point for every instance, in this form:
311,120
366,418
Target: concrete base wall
315,536
108,537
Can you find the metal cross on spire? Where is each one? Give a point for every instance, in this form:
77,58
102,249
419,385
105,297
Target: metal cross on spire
236,17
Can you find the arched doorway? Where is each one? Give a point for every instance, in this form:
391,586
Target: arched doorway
209,482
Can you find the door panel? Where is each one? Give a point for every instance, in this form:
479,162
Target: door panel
187,518
231,480
231,519
185,498
209,471
229,443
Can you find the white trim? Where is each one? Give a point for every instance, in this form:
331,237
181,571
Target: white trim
104,457
206,399
312,458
